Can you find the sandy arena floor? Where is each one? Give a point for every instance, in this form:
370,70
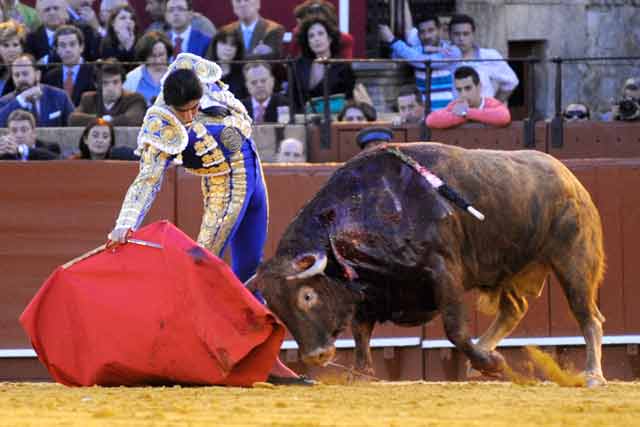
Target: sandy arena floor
365,404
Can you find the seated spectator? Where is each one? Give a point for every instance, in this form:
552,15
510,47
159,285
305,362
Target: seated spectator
291,150
122,34
156,10
184,37
20,13
12,39
53,13
154,49
372,137
21,142
119,107
106,7
261,38
262,104
96,142
629,102
410,106
471,105
74,76
432,48
576,112
227,46
357,112
497,78
327,10
49,105
319,38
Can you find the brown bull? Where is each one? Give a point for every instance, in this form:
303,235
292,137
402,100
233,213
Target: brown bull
378,243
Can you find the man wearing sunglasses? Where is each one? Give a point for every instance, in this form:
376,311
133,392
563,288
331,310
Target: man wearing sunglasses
576,112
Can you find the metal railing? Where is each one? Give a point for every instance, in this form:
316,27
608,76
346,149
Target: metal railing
530,63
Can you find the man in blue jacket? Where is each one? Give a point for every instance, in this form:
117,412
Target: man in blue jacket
49,105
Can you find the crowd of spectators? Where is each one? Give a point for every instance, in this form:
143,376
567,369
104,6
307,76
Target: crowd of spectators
66,65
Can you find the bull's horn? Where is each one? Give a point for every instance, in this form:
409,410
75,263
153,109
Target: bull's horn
319,264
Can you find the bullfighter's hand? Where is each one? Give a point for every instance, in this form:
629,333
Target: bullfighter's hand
118,236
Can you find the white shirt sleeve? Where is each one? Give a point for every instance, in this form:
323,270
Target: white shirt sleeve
502,76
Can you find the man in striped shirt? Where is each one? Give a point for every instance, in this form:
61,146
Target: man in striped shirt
431,48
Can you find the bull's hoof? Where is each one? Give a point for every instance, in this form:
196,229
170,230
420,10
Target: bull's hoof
472,372
299,380
594,380
491,366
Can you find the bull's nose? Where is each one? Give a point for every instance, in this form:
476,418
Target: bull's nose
320,356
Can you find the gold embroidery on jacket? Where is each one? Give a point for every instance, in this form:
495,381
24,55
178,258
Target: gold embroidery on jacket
224,196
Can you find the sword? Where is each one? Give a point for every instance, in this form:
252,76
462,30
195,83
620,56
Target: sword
104,246
145,243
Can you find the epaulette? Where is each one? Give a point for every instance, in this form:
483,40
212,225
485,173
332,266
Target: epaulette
162,130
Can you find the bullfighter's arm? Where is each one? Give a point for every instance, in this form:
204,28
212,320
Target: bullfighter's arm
144,188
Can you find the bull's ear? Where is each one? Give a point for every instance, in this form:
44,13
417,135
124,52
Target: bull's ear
307,265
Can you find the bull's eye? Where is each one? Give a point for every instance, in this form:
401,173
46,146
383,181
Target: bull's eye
307,298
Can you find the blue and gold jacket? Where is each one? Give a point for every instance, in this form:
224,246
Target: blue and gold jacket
211,146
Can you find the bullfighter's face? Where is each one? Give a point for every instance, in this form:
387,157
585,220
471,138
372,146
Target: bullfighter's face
315,309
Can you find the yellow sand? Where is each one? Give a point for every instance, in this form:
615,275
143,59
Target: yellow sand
361,404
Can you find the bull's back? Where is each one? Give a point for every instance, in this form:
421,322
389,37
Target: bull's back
523,194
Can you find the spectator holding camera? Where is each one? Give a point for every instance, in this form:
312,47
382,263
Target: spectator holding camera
628,107
470,105
21,142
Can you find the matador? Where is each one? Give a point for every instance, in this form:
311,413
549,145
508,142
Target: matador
210,136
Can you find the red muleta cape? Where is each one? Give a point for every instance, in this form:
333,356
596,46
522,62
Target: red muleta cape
142,316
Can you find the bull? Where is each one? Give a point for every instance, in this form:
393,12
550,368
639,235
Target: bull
378,243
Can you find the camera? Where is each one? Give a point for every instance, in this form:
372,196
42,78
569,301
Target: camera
629,109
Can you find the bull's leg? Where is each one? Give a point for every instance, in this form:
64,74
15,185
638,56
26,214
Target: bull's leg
450,293
511,310
580,288
362,334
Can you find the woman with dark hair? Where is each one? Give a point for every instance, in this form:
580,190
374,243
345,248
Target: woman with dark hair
357,112
227,46
12,39
319,39
121,35
153,49
97,140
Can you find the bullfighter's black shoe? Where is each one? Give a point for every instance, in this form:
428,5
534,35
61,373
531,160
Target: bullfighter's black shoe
300,380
